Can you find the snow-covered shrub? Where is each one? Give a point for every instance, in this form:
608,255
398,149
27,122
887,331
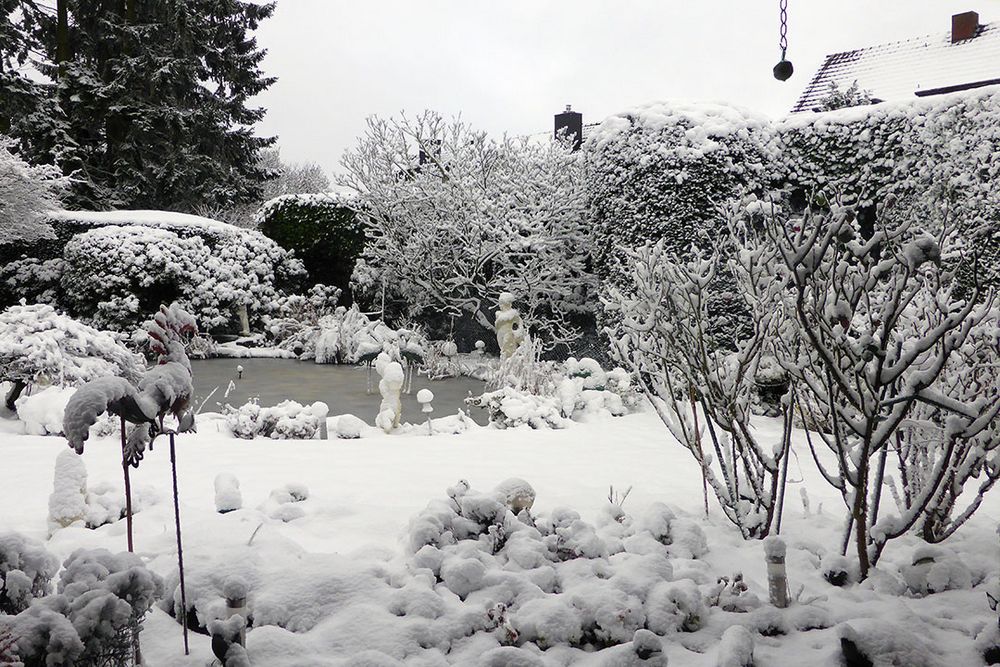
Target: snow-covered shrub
880,338
675,606
232,267
915,152
701,389
114,275
548,621
934,569
660,173
42,411
95,616
26,572
287,420
544,394
343,336
735,648
509,408
39,346
349,427
475,218
321,229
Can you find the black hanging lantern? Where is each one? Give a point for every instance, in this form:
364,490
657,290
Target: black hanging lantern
783,70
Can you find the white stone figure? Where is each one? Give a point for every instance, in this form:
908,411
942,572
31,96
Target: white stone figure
510,327
390,387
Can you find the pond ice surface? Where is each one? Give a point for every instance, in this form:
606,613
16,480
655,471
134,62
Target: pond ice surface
342,388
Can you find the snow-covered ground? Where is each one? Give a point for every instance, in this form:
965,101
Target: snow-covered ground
363,494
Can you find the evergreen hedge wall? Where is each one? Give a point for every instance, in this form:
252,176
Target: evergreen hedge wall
322,230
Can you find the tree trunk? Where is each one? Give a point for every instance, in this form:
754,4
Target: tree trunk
14,394
62,35
860,513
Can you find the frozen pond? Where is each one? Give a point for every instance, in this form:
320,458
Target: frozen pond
340,387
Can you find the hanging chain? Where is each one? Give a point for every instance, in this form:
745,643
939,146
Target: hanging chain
783,43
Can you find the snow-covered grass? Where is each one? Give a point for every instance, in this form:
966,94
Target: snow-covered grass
362,494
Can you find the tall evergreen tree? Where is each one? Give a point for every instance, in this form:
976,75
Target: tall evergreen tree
148,105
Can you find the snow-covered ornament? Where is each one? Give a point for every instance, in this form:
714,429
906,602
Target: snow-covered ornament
424,398
239,372
510,327
516,493
390,386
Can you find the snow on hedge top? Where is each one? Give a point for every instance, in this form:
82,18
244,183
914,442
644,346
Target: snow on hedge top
704,122
162,219
40,345
336,198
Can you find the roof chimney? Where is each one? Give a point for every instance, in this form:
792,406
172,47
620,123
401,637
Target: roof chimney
570,122
964,26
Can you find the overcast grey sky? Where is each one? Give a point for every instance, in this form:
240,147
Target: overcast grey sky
509,66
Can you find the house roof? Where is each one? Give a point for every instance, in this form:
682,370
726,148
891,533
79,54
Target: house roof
915,67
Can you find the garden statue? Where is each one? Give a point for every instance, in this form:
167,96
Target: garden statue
510,327
390,387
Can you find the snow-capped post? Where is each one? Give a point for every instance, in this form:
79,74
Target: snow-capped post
509,326
777,577
235,590
128,487
424,398
480,347
321,410
180,549
239,372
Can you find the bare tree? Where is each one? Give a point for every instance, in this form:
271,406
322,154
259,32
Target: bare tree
455,218
702,391
889,352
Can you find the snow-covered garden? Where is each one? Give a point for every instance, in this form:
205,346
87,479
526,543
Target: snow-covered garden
712,390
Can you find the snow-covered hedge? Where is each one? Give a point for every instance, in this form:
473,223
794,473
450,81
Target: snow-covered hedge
113,267
659,171
918,153
322,230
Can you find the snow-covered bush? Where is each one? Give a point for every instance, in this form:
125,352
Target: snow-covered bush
26,572
701,390
96,615
550,395
472,218
39,345
287,420
210,266
343,336
116,274
660,173
881,339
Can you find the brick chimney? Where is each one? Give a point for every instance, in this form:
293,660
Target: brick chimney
572,123
964,26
